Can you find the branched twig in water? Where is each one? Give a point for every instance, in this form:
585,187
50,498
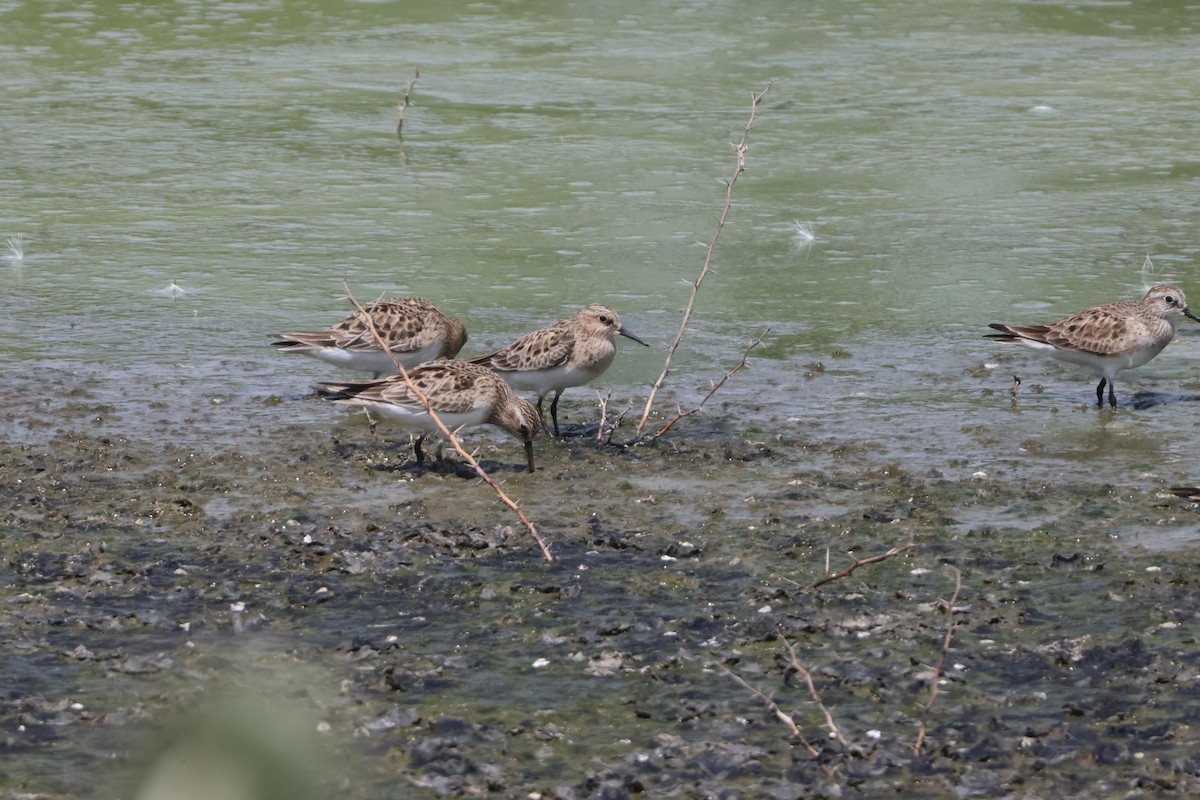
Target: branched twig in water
812,692
941,664
740,153
740,365
504,498
603,435
861,562
781,715
405,102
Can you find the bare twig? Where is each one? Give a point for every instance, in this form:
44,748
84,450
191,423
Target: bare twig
860,563
470,459
812,691
941,664
916,748
700,407
605,432
781,715
739,150
603,415
405,102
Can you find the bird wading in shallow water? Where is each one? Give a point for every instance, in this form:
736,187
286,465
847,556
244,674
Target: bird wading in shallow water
571,352
1107,338
460,393
414,330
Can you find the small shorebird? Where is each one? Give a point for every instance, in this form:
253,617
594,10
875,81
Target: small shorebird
1107,338
413,328
571,352
460,394
1186,492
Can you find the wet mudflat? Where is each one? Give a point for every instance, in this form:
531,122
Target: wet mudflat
306,607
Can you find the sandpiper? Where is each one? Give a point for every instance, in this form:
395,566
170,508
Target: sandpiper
1107,338
460,393
413,328
571,352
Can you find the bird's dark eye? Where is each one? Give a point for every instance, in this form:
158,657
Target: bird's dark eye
1170,300
604,318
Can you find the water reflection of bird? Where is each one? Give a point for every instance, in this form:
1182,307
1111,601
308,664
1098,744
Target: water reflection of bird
1107,338
571,352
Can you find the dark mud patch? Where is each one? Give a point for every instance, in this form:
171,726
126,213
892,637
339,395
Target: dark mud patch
401,635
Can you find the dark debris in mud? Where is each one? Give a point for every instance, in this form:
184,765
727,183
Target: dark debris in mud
410,621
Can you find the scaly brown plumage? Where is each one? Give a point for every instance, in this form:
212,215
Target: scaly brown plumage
1107,338
413,328
570,352
460,393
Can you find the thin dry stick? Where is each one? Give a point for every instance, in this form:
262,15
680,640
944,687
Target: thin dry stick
740,365
812,691
937,672
916,748
781,715
861,562
405,102
470,459
740,153
603,415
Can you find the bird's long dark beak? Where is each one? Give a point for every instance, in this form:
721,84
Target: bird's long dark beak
529,453
1187,312
629,335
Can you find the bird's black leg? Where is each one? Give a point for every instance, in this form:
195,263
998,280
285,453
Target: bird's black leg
541,414
554,410
1100,391
1112,396
420,454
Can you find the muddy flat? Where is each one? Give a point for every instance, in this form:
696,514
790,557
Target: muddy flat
315,614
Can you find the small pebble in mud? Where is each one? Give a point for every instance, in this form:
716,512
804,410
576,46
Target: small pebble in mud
540,663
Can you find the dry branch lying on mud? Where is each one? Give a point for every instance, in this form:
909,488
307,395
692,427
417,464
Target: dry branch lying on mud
782,716
941,664
812,692
860,563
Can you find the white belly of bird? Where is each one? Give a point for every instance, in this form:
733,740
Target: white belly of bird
417,419
1107,366
545,381
375,360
